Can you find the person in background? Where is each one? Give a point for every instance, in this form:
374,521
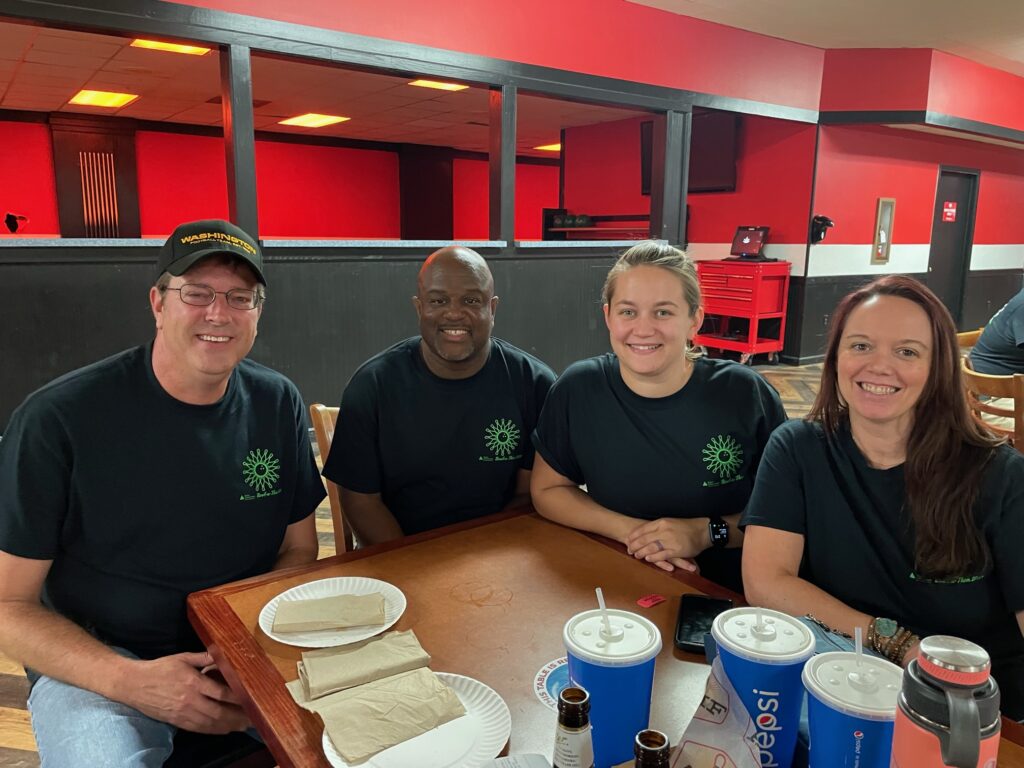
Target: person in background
666,441
889,508
1000,348
435,429
124,486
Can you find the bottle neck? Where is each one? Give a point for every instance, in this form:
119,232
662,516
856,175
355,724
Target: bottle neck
573,718
651,750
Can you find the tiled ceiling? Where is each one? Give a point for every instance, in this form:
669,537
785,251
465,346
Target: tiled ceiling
42,68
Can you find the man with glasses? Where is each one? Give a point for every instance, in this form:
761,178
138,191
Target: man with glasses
126,485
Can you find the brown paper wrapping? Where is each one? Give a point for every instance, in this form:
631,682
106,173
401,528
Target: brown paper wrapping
335,612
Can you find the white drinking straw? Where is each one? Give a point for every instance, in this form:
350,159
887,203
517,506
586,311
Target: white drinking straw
859,645
759,624
604,611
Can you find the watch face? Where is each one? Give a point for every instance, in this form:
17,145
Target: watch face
719,532
885,627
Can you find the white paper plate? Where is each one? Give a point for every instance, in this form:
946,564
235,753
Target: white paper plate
394,607
466,742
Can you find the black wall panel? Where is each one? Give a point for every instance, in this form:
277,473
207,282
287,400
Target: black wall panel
58,316
986,292
326,314
323,318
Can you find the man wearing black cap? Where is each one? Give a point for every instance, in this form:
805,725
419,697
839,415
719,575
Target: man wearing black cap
130,483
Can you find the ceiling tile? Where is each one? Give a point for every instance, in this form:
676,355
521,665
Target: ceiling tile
104,48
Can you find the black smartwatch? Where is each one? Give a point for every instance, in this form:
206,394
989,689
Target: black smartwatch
719,532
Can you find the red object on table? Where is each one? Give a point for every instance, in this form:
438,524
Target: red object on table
751,290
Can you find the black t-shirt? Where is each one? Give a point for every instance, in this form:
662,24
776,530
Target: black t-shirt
1000,349
439,451
859,543
140,499
691,454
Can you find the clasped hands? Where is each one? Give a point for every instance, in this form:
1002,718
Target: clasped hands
185,690
669,542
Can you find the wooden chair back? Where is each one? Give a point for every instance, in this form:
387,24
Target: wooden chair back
968,338
324,420
1006,418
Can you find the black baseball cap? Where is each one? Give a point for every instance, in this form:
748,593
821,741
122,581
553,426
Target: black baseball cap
196,240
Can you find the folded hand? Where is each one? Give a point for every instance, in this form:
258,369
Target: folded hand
668,542
174,690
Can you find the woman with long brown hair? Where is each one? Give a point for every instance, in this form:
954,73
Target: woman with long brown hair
889,508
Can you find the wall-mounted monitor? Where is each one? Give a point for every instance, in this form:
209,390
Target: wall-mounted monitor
748,243
712,152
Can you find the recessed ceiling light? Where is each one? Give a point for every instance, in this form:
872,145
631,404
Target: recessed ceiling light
103,98
313,120
438,85
550,147
156,45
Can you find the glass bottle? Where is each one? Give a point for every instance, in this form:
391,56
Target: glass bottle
651,750
574,747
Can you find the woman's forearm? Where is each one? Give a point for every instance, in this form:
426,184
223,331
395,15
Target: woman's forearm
573,507
798,597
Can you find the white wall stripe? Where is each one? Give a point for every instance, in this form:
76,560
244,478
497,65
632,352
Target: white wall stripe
985,257
855,259
844,259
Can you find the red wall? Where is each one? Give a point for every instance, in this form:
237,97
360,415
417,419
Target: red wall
973,91
859,164
602,169
875,79
27,185
775,165
601,37
775,161
536,188
181,178
919,79
326,192
304,190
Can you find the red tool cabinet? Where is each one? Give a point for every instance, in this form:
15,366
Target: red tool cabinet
751,290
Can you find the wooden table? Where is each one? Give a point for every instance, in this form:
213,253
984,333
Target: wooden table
487,599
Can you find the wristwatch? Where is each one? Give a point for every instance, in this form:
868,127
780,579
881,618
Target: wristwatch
718,530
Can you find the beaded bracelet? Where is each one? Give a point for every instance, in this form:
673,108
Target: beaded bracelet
901,650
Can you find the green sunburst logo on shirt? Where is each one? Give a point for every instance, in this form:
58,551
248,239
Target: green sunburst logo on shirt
502,437
723,455
261,469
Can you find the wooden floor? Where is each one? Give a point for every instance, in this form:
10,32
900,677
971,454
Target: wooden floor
796,385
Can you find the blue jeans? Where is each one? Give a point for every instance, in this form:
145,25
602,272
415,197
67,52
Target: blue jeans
74,726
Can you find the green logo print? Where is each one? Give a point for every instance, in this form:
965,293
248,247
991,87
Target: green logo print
723,456
502,437
261,470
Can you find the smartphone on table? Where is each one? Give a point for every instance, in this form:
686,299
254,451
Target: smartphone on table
696,615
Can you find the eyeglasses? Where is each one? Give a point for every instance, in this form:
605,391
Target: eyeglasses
199,295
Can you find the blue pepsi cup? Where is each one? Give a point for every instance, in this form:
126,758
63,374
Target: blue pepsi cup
615,665
851,707
764,662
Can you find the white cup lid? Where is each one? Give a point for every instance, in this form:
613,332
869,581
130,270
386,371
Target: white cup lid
633,639
869,689
780,639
